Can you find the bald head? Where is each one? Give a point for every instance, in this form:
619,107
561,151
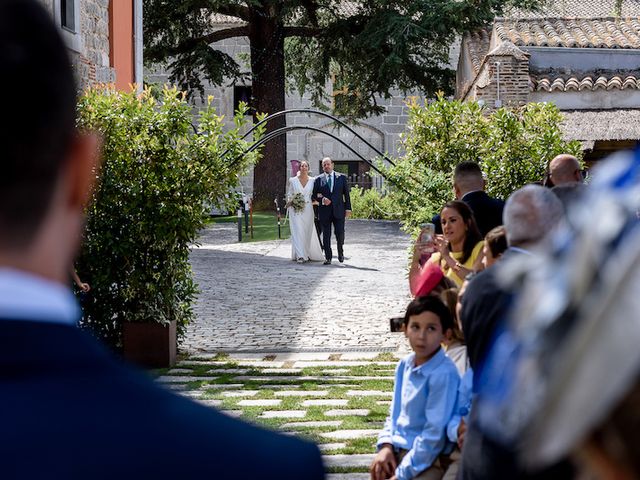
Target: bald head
530,214
565,169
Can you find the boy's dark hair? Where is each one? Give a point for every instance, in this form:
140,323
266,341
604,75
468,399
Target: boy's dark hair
432,304
496,240
39,105
473,234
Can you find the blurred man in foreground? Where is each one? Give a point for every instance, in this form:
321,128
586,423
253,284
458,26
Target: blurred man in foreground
71,410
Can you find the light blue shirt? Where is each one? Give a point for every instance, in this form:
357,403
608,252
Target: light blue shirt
463,405
423,401
24,296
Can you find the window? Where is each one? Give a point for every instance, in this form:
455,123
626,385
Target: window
68,15
242,93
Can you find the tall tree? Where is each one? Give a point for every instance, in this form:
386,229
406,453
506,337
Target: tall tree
373,48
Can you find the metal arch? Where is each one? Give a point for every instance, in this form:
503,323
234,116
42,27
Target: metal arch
283,130
324,114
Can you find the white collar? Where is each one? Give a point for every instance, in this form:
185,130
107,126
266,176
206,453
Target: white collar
24,296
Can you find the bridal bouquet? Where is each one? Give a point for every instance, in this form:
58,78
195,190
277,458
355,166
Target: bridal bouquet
297,202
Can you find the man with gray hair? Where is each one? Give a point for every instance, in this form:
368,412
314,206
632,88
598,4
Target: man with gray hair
530,215
564,169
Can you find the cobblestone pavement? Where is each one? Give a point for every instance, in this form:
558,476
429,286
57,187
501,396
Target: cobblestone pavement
255,299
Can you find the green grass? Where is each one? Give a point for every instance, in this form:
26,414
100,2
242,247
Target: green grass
326,375
265,226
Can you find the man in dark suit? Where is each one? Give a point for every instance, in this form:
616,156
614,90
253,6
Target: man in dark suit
331,191
70,409
530,215
468,186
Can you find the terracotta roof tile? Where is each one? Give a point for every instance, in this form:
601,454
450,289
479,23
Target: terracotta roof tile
477,44
577,32
550,83
578,9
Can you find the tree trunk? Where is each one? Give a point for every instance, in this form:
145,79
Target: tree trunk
267,67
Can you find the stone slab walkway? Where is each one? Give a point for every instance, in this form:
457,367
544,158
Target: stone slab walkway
255,299
342,418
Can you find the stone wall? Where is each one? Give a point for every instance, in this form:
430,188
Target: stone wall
89,47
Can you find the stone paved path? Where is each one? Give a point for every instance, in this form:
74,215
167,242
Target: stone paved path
338,401
255,299
303,342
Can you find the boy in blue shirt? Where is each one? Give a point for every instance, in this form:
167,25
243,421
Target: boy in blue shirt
424,397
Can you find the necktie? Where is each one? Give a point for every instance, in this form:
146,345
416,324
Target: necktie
330,182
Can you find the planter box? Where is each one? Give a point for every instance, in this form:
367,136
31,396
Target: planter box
150,345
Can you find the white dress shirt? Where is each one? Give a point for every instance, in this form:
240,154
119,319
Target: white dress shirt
24,296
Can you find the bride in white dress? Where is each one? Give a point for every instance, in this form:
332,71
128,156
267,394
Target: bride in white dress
305,244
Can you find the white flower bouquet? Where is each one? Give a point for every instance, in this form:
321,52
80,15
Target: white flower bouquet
297,202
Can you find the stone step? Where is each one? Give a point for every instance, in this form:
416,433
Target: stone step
347,434
317,423
359,460
284,414
356,412
347,476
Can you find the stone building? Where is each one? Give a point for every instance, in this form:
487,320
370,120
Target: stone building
575,54
382,131
104,38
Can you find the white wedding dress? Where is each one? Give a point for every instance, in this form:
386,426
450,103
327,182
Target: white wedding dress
305,243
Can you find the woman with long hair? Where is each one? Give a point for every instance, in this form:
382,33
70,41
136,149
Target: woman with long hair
460,245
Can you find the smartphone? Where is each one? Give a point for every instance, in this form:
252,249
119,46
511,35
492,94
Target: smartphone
427,231
395,324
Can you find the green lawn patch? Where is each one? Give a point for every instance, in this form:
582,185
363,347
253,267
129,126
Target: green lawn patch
265,226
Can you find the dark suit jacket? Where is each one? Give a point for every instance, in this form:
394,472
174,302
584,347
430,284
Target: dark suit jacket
70,410
485,306
340,199
486,210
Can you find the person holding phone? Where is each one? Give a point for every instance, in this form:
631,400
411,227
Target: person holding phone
459,248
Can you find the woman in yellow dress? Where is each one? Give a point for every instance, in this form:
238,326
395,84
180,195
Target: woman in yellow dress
460,246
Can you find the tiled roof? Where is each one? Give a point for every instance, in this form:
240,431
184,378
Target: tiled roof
477,44
575,33
579,9
587,82
594,125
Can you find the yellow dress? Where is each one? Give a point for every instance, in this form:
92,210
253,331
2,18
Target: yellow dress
449,272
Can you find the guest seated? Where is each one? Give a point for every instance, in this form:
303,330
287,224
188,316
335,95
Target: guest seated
424,396
460,247
495,244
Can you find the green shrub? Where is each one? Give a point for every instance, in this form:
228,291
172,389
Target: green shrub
369,203
513,147
156,185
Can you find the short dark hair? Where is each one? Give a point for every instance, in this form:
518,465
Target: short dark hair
496,240
429,303
467,168
40,118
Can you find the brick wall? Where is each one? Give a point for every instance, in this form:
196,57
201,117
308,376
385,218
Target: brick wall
503,78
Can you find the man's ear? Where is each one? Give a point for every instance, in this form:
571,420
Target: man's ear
82,167
456,191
